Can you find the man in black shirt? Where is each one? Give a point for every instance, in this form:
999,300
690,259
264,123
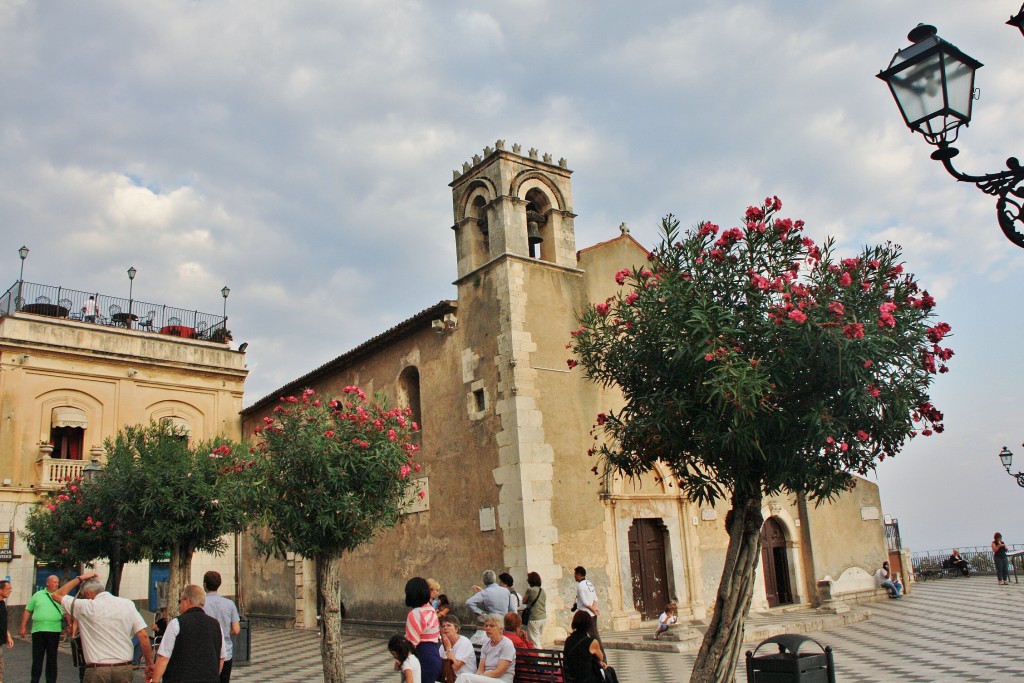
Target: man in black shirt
5,635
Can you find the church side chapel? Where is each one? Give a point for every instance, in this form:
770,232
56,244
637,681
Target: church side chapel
506,425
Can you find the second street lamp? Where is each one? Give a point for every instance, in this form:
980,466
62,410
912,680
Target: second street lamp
131,284
1007,459
23,253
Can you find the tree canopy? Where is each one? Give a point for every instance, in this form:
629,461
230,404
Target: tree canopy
751,359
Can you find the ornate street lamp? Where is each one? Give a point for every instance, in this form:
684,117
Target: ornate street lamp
1007,459
131,284
224,293
23,253
92,470
932,82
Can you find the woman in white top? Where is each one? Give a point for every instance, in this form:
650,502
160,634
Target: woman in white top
456,648
405,659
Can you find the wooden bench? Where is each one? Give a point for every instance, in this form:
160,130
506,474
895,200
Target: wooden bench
539,666
536,666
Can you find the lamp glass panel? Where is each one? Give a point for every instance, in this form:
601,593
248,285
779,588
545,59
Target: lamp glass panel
959,86
918,90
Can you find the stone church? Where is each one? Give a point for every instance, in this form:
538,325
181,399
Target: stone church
505,430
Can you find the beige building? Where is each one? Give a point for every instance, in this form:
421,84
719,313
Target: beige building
75,368
505,430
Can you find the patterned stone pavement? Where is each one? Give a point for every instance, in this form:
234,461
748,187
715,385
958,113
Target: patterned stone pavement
946,630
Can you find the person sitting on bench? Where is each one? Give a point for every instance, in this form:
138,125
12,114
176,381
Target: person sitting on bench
957,562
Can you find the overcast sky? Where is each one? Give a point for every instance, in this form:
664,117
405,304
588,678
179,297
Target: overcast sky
300,152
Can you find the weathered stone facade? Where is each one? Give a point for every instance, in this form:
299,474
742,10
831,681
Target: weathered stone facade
505,430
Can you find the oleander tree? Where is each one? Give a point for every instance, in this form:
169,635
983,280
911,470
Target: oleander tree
753,362
175,497
74,525
328,475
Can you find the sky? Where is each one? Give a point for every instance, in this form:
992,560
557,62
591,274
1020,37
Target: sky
299,152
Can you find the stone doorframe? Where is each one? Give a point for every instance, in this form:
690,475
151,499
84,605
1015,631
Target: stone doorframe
759,602
626,503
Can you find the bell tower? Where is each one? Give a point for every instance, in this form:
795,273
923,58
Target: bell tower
507,203
519,287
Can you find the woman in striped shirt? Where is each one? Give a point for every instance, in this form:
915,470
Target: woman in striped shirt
422,628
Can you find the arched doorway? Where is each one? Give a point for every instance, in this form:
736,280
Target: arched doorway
775,564
648,567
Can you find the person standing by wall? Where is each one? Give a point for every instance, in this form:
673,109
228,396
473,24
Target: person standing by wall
536,613
5,635
1002,564
47,624
586,600
226,614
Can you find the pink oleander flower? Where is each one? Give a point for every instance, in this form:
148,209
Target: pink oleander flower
854,330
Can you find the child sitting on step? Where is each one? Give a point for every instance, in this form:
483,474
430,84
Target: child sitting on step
667,619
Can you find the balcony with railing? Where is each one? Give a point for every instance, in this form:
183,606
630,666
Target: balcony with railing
104,309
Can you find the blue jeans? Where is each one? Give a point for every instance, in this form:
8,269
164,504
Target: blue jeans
894,587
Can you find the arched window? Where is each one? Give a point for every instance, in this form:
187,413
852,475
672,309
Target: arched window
67,432
538,231
409,395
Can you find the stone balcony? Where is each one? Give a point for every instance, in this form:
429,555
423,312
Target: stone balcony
53,472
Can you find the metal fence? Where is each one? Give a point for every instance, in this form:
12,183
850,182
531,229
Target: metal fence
979,557
116,311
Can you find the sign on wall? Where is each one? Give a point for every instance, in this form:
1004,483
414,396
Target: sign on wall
6,546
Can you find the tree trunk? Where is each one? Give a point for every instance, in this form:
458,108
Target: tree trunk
328,585
723,641
181,576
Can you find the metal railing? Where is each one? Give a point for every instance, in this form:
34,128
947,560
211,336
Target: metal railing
979,557
103,309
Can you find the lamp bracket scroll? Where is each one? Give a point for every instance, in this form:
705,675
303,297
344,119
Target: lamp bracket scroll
1005,185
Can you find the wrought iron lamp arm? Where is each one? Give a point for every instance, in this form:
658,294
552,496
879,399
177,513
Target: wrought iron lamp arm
1006,186
1020,478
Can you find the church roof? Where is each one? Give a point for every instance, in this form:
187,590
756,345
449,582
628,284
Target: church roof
624,236
369,347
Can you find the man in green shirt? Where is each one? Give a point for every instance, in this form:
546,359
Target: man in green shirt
47,624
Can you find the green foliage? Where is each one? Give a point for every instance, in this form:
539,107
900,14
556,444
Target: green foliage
154,488
171,494
66,528
755,362
329,475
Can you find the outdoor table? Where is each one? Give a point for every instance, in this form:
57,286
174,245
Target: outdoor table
124,319
179,331
1011,557
52,310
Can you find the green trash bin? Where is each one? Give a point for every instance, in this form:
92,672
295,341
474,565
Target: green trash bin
789,665
241,644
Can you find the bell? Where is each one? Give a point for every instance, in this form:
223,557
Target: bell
533,233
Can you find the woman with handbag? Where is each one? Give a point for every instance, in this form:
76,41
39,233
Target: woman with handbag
457,653
535,614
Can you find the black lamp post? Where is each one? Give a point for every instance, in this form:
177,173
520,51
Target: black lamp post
23,253
224,293
90,472
932,81
131,285
1007,458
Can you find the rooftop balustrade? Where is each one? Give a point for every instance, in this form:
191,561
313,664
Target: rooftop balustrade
115,311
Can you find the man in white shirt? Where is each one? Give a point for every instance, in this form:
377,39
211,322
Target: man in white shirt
107,624
586,600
